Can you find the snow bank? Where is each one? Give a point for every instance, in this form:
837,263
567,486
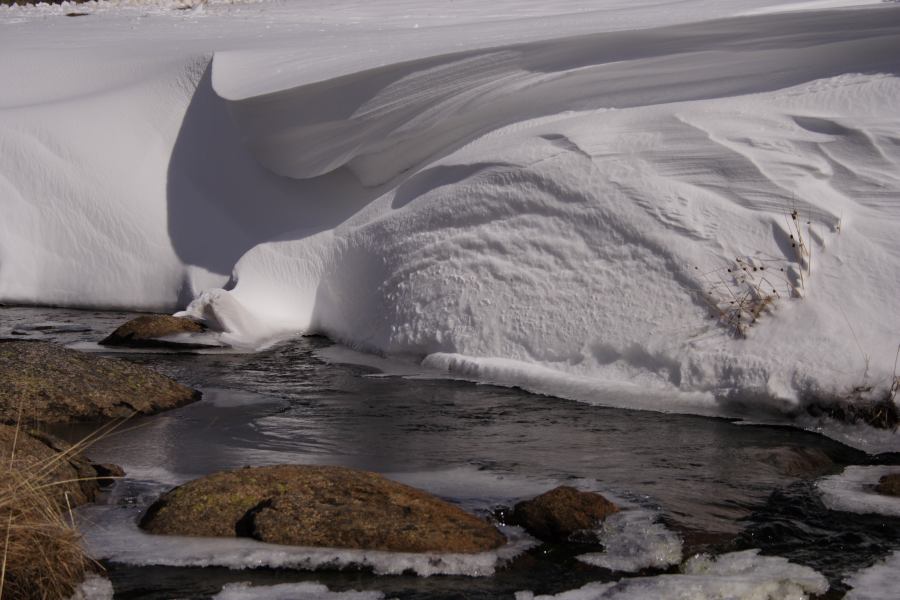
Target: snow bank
571,256
290,591
736,576
878,582
853,491
549,195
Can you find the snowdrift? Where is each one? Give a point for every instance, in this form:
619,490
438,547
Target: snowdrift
696,217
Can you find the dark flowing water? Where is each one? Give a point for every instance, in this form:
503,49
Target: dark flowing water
720,485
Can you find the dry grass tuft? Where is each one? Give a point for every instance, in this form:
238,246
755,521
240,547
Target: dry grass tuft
855,408
738,294
863,404
42,557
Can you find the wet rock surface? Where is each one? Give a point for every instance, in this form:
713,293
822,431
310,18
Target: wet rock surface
150,331
319,506
46,383
562,512
889,485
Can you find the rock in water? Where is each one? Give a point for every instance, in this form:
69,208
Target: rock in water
52,384
319,506
145,332
561,512
792,461
889,484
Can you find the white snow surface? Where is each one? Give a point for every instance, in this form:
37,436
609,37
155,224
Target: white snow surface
853,490
735,576
537,194
878,582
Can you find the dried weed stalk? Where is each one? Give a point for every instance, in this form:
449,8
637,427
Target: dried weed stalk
42,556
738,294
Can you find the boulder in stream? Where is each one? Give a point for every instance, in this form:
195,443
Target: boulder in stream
563,511
319,506
155,331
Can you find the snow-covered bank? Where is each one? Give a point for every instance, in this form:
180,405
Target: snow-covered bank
570,256
543,196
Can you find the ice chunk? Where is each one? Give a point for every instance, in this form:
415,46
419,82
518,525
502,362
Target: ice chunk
93,587
632,541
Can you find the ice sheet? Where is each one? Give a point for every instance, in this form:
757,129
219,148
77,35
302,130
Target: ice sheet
111,532
878,582
290,591
736,576
854,491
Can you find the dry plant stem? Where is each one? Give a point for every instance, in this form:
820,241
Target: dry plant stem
5,554
740,299
809,235
858,345
801,250
895,383
42,556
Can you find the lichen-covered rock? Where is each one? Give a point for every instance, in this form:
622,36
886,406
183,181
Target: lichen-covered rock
319,506
52,384
889,484
69,477
563,511
149,331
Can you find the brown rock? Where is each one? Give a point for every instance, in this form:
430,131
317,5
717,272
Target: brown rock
319,506
561,512
145,332
52,384
72,479
889,484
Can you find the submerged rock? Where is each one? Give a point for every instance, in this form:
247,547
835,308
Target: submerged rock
563,511
149,331
889,485
319,506
52,384
46,461
792,461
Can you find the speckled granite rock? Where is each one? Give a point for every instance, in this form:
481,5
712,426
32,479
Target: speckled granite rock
319,506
